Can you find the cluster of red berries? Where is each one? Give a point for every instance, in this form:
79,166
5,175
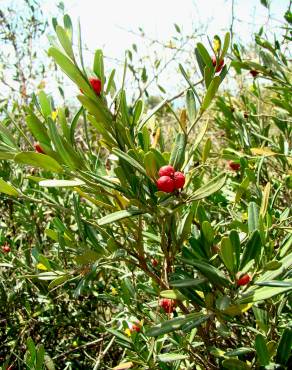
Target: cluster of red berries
170,180
244,280
167,305
234,166
6,248
220,65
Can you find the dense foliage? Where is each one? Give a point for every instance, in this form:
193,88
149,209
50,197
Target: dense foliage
100,269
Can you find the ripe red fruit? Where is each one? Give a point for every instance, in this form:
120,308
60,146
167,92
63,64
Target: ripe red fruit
6,248
244,280
254,72
135,327
234,166
179,180
167,170
167,305
166,184
220,66
154,262
38,148
96,85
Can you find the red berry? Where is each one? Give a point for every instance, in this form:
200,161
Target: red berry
179,180
96,85
6,248
167,170
254,72
167,305
154,262
221,63
166,184
234,166
244,280
135,328
38,148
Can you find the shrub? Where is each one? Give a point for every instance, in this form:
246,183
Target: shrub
217,295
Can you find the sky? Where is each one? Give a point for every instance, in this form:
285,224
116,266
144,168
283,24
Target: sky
111,24
104,23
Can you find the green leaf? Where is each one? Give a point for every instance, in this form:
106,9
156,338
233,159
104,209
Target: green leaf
97,109
45,104
63,148
265,199
239,351
171,357
253,217
191,105
185,283
242,189
139,106
252,248
234,364
208,75
38,160
225,45
119,215
7,188
111,83
65,41
150,165
88,256
284,347
130,160
60,183
235,241
200,136
58,281
262,350
260,294
200,61
7,155
98,66
205,55
206,150
212,89
208,232
213,274
120,336
178,151
286,263
227,254
265,3
146,118
40,357
172,294
274,283
32,350
68,26
72,72
37,128
210,188
183,72
173,324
